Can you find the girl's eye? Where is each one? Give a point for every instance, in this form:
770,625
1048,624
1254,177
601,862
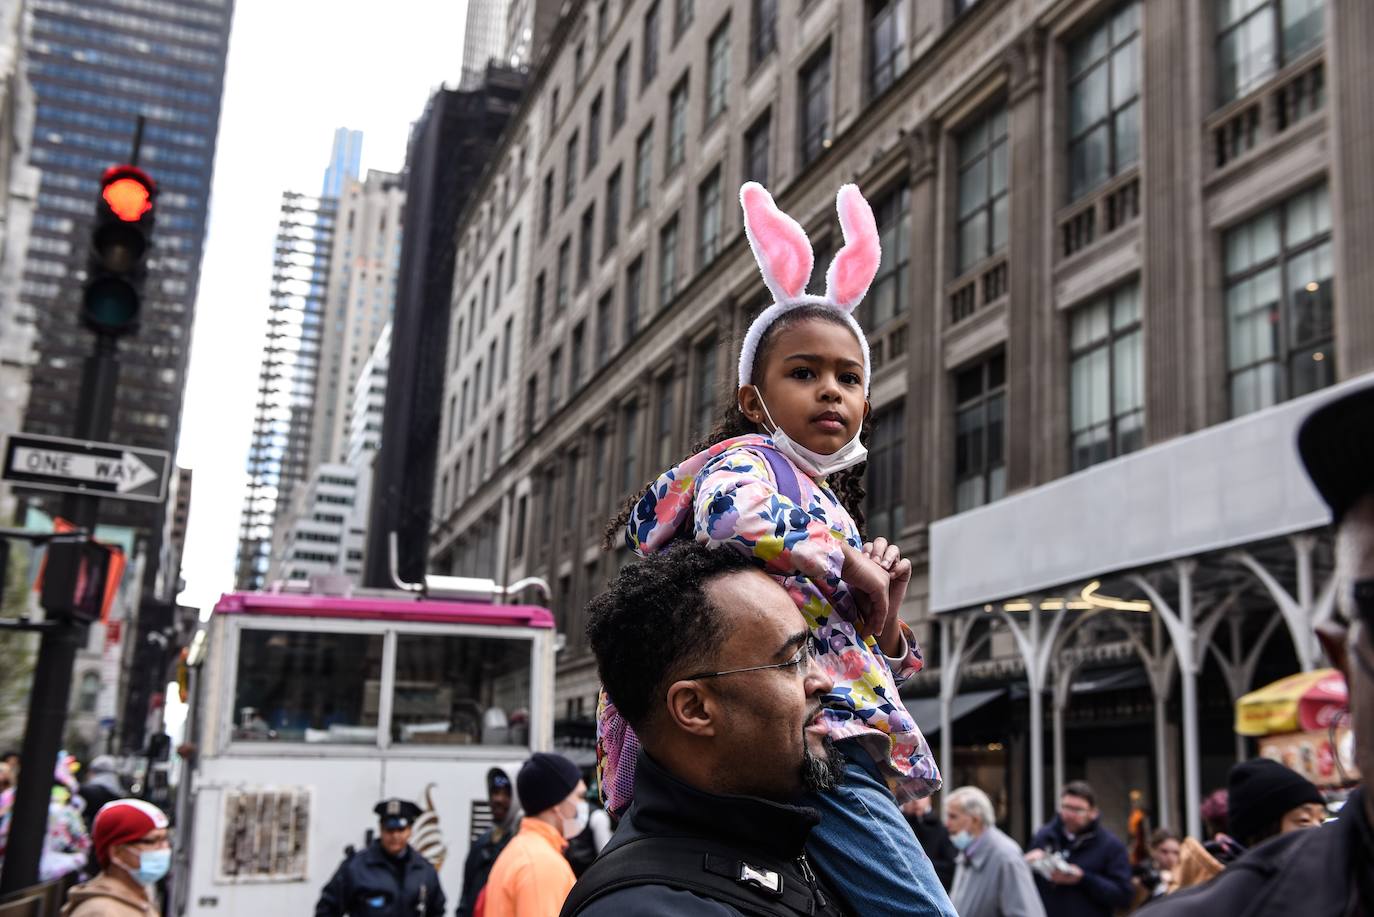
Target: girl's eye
850,379
801,372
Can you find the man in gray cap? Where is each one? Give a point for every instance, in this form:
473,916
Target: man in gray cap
388,877
1330,869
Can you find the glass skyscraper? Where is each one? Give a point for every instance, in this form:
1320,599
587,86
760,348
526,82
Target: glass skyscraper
96,66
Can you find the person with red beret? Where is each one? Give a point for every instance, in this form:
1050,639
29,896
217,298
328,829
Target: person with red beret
134,852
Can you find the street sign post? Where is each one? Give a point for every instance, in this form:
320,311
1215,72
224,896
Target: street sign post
81,467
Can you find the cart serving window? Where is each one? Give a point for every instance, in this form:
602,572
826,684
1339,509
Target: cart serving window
322,672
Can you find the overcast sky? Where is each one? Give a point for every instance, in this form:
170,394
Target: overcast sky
297,70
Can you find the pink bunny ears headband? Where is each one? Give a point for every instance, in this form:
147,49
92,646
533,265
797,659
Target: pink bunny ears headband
785,258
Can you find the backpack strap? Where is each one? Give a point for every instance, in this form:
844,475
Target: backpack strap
753,886
783,474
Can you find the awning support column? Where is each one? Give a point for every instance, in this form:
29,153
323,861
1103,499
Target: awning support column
1181,629
954,631
1036,650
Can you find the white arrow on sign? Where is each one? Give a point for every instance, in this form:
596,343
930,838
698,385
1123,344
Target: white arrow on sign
127,472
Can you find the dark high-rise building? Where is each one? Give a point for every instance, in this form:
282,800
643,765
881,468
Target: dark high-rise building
449,147
96,66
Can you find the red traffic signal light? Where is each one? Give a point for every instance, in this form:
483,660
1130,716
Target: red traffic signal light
120,240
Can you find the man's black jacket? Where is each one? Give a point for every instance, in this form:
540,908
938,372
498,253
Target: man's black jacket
666,807
477,867
934,839
1106,883
1316,872
372,884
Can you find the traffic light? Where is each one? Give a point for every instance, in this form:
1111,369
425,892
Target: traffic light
77,576
120,240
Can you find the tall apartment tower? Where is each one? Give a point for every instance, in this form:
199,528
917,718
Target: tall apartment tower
278,458
95,67
484,39
358,302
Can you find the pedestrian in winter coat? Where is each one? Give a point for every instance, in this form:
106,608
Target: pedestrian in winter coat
1327,870
132,847
505,819
731,736
531,877
934,837
388,878
1080,867
1266,799
993,879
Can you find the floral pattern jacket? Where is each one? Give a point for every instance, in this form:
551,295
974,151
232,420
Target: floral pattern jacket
726,496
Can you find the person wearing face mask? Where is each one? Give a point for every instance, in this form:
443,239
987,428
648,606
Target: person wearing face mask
134,852
531,877
991,878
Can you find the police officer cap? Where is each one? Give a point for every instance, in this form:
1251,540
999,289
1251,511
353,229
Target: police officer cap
396,813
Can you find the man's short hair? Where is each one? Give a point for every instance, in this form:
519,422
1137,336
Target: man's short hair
1081,789
975,803
655,621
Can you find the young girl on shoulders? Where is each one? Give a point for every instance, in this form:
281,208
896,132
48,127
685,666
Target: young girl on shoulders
778,481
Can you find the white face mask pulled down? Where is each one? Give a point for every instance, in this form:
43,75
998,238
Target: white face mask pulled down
813,463
576,823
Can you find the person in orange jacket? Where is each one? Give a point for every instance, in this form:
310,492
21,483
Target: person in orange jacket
531,877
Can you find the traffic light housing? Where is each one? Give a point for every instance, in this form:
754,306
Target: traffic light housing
76,577
120,241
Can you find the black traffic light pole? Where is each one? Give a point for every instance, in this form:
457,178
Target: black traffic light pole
52,676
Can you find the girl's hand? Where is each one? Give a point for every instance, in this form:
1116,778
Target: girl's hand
871,585
889,557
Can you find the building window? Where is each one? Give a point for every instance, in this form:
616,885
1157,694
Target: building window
603,344
584,246
546,206
600,460
667,262
708,217
553,111
570,171
717,71
629,448
537,311
757,149
505,350
579,346
983,189
594,133
704,388
1279,303
763,30
90,692
683,13
579,64
664,425
603,22
648,62
887,38
1106,378
634,296
498,440
620,92
522,511
514,255
555,379
980,420
1104,100
610,234
884,505
531,403
814,122
560,294
886,297
644,167
1257,37
677,126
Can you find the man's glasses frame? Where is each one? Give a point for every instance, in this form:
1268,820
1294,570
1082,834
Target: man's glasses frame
801,660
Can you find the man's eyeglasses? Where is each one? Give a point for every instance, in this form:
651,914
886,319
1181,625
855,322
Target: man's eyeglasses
801,661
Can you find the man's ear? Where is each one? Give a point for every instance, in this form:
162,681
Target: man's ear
691,708
750,404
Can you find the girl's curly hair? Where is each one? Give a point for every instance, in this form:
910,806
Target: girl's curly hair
730,422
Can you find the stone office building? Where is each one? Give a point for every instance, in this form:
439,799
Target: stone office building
1109,227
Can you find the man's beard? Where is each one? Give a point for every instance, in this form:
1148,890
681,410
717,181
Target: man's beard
821,774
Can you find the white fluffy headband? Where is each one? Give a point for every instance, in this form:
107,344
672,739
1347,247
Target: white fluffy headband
784,256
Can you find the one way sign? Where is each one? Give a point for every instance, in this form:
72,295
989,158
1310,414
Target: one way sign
78,466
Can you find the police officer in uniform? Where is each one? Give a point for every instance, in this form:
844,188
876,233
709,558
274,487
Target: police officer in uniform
388,879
